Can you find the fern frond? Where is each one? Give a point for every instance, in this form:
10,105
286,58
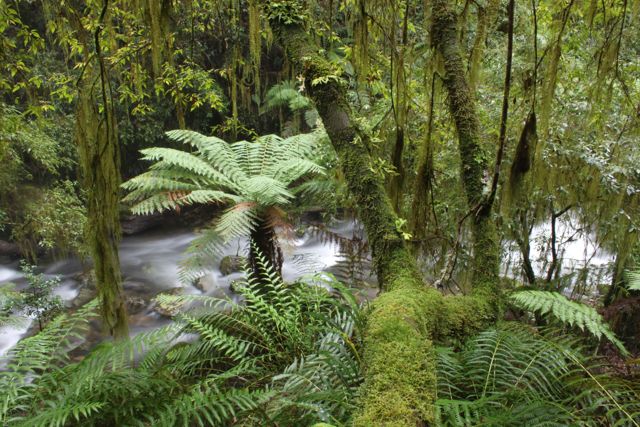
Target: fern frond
568,312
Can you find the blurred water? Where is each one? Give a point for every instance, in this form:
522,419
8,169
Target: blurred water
150,265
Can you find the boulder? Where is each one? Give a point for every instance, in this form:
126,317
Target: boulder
167,311
232,264
9,249
206,283
135,304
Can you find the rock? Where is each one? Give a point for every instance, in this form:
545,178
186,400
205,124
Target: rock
135,304
300,231
206,283
235,286
85,295
134,224
9,249
232,264
86,279
168,311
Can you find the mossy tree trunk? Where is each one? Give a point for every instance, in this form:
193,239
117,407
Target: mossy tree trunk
99,154
100,166
474,165
400,365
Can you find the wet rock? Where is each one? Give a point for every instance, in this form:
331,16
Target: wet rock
164,310
301,230
232,264
85,294
134,224
86,279
236,285
206,283
9,249
135,304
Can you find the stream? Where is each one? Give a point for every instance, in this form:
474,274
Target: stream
150,264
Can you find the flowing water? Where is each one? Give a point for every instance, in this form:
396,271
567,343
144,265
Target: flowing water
150,265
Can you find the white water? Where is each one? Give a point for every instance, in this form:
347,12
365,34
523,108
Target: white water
150,264
577,250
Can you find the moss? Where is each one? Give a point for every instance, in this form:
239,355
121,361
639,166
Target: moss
399,361
400,365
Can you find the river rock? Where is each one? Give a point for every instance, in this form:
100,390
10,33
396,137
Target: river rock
232,264
9,249
135,304
86,279
206,283
85,294
168,311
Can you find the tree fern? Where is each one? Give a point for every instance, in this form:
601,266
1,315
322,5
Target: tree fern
251,178
286,94
569,312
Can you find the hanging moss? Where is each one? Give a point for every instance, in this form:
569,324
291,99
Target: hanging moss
524,155
400,382
360,57
255,42
154,10
486,15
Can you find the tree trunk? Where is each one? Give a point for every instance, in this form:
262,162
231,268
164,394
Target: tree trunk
264,243
399,361
486,250
100,164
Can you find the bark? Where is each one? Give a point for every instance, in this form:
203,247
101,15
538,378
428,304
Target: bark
99,154
99,160
399,361
486,251
264,243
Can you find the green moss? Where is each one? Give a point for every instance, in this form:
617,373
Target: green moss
400,365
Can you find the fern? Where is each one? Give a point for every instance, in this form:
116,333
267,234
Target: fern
633,277
283,352
569,312
286,94
250,177
513,375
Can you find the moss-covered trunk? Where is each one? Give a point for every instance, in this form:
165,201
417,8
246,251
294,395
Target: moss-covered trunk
400,371
100,167
474,167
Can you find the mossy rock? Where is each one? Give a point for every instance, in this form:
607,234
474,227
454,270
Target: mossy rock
232,264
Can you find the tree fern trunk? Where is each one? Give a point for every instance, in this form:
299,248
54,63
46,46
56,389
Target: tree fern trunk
264,243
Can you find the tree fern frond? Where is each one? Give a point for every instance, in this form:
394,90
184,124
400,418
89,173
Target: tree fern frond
568,312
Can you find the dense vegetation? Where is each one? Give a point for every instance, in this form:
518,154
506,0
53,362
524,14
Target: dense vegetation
475,141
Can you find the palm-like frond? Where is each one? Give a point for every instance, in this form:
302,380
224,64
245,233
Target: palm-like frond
250,176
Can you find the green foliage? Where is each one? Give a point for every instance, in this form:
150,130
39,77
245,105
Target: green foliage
514,375
41,208
286,94
282,355
53,221
257,178
568,312
37,299
633,278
